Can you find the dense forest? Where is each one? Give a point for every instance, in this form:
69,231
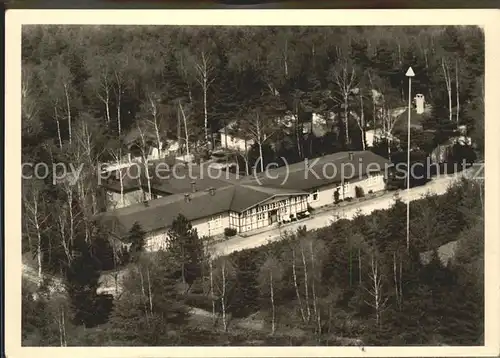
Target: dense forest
198,79
85,87
352,283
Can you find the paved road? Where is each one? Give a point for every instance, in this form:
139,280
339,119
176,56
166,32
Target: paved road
437,186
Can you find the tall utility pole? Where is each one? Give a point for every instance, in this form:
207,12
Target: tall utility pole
409,74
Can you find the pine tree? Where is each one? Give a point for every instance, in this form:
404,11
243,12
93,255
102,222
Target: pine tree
82,280
186,246
246,295
150,311
136,238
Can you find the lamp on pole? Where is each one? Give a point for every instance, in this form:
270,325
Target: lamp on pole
409,74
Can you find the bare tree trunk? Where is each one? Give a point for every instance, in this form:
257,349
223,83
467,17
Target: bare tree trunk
395,277
179,130
65,342
205,111
149,292
306,283
59,324
68,108
261,158
359,265
389,150
120,174
223,298
297,292
225,135
362,119
33,209
447,79
154,112
315,299
273,319
204,70
144,296
285,58
185,129
212,288
378,303
115,264
108,115
118,103
346,119
457,86
259,142
401,279
71,219
56,116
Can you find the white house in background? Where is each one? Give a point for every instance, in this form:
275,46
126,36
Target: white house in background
400,121
321,177
230,138
374,135
277,196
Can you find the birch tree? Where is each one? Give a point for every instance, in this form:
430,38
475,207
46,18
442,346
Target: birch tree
63,90
457,90
384,108
260,129
186,130
296,284
344,76
447,79
30,105
145,160
117,156
101,80
151,107
375,289
36,216
52,91
270,276
224,285
120,67
205,77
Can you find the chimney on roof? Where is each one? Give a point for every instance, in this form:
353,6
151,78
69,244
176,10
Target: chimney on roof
420,103
187,197
211,191
193,186
351,155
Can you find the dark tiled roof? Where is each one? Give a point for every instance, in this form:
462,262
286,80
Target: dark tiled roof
174,177
416,120
134,135
238,195
318,172
159,213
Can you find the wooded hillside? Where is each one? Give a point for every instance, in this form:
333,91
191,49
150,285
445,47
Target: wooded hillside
85,87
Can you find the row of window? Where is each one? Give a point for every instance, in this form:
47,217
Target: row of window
215,222
271,206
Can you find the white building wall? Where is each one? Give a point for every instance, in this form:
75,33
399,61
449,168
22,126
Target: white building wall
156,240
114,199
235,143
325,195
259,216
211,226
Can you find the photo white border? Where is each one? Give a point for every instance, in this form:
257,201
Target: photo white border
488,19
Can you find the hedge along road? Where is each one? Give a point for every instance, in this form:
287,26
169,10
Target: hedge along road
437,186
